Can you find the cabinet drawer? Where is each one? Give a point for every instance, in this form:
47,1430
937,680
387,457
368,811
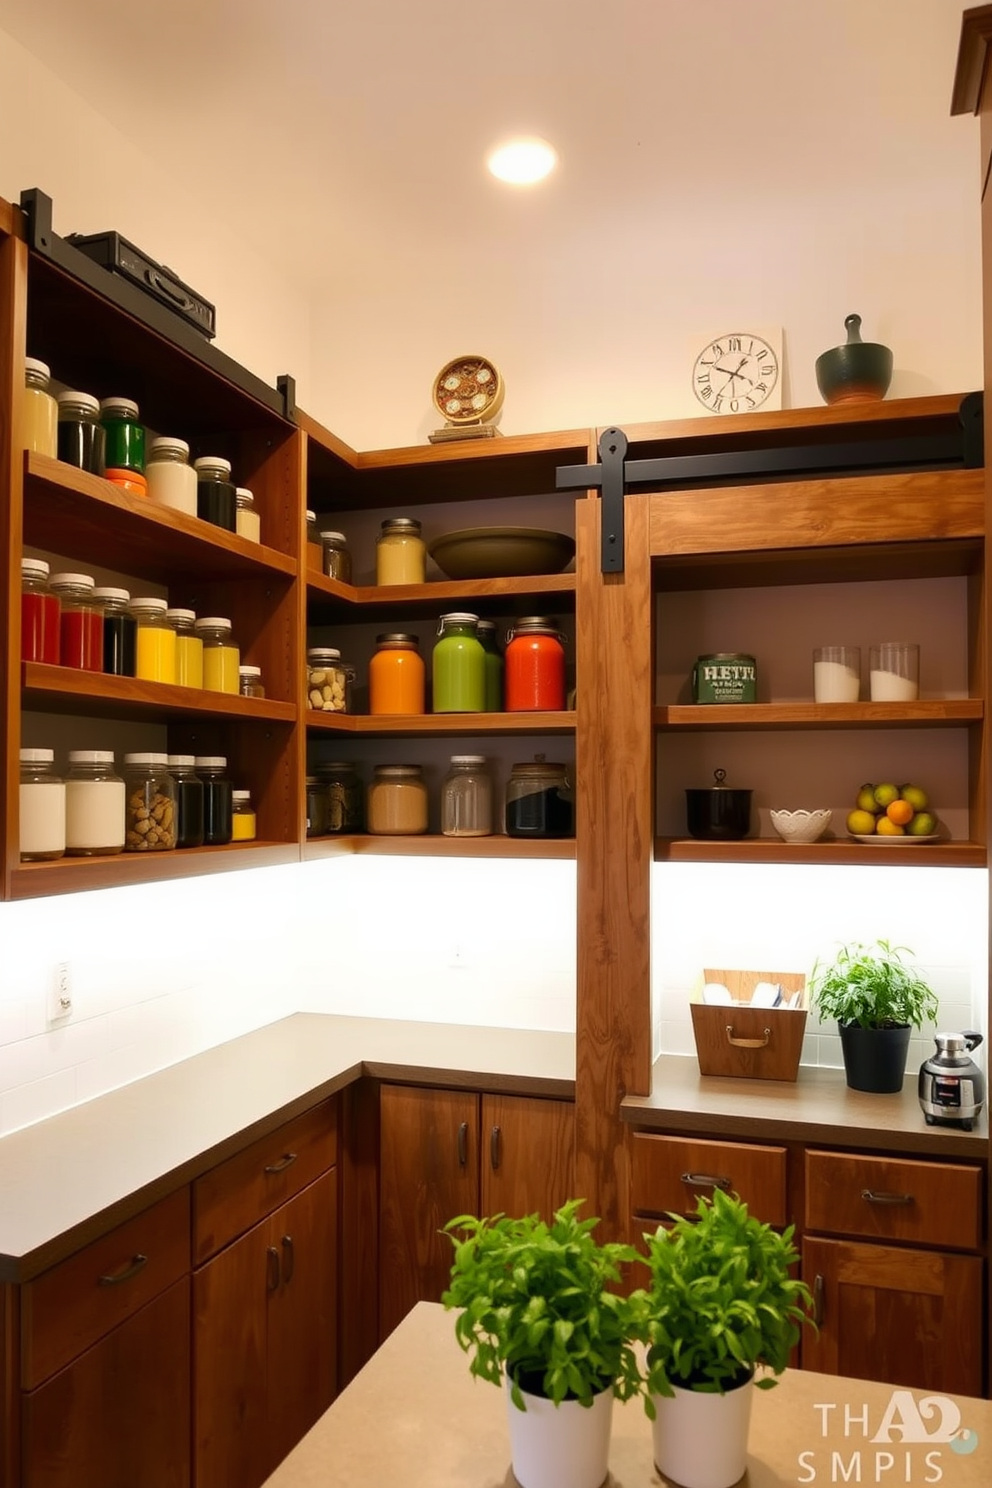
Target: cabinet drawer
77,1302
668,1175
894,1199
243,1190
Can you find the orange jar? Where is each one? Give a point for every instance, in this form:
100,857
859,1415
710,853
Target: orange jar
396,675
534,667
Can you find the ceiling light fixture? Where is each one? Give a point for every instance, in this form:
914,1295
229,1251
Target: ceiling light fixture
523,161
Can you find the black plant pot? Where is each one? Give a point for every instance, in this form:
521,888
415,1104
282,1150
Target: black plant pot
875,1058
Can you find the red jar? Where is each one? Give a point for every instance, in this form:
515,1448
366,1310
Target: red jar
40,610
81,629
534,675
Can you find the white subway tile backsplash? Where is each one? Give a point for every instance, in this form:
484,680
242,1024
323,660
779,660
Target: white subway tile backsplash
35,1101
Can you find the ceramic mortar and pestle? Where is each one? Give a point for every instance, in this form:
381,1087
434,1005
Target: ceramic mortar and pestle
857,372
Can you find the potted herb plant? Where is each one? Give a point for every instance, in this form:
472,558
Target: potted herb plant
538,1316
877,1000
723,1301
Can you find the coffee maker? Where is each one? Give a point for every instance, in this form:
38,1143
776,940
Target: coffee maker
952,1087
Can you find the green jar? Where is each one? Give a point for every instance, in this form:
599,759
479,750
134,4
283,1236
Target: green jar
459,666
486,632
124,436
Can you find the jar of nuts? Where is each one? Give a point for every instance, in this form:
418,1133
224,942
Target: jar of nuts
329,680
150,809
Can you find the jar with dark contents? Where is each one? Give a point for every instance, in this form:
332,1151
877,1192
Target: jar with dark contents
119,629
81,440
539,800
313,544
150,803
316,807
124,436
345,796
217,799
216,500
337,557
189,800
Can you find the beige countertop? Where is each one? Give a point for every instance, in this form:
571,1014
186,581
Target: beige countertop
67,1179
414,1415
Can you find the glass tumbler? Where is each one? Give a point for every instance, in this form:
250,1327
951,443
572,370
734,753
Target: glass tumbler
895,671
836,674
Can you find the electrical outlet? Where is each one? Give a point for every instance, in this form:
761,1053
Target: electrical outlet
60,994
456,956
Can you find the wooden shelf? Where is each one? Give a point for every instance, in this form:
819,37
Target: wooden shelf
432,846
490,596
427,724
73,875
835,851
924,713
51,689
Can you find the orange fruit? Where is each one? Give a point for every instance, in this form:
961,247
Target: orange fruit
888,828
900,812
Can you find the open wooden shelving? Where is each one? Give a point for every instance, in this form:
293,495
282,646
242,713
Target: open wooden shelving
433,845
72,875
924,713
837,851
429,725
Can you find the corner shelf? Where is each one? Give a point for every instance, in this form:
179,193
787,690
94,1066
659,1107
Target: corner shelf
435,846
405,725
833,851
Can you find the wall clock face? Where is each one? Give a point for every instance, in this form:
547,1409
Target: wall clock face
468,390
735,374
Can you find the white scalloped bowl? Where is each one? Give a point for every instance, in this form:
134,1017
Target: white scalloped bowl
801,826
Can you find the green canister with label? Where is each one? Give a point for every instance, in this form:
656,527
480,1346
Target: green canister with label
725,677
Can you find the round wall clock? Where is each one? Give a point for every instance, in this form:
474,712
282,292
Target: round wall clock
468,390
735,374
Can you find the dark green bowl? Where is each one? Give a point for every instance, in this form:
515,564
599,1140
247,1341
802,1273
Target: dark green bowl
858,372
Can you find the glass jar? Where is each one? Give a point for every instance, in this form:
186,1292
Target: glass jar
250,682
221,657
397,801
189,648
170,477
329,680
535,666
40,614
244,825
80,435
467,798
400,555
40,410
215,492
317,804
42,807
246,519
189,800
539,800
118,631
217,799
94,805
124,437
486,631
336,556
396,674
80,622
459,666
151,803
314,552
345,796
155,641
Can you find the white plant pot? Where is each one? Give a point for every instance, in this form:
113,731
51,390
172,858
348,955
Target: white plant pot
700,1439
563,1446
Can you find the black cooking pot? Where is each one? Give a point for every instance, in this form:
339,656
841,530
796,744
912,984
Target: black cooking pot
719,813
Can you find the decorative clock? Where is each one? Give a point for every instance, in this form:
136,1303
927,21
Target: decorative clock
737,373
468,390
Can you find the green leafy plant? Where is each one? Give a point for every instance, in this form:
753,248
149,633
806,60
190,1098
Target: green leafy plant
722,1300
872,986
537,1304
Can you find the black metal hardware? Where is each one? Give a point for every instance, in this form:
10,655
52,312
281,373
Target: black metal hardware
463,1144
290,1255
819,1300
286,386
137,1263
494,1148
706,1180
271,1268
287,1159
874,1196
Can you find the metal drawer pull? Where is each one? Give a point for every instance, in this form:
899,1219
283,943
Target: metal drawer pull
132,1268
742,1043
463,1143
284,1162
706,1180
874,1197
819,1297
272,1268
290,1254
494,1145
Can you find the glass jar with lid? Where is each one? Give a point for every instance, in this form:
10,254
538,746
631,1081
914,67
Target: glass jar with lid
119,629
40,614
397,801
250,683
246,519
94,804
124,436
155,640
215,492
244,824
80,435
400,555
396,674
535,666
40,410
345,796
80,622
317,800
42,807
467,798
329,680
539,800
336,556
486,631
314,552
151,803
171,478
189,800
189,647
217,799
459,666
221,657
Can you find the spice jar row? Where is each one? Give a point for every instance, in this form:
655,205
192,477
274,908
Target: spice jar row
105,437
159,802
469,673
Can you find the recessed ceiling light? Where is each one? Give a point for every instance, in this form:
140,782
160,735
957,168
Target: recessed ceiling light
522,161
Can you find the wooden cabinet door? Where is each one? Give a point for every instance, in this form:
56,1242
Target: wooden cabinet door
302,1315
118,1415
904,1317
229,1364
526,1155
429,1172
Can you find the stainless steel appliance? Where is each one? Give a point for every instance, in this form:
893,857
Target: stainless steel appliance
952,1087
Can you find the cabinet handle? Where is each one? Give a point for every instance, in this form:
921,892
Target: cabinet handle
271,1268
134,1265
706,1180
743,1043
873,1196
290,1255
819,1298
463,1143
283,1163
495,1137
